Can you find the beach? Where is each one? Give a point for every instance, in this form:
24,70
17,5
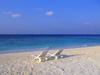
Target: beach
77,61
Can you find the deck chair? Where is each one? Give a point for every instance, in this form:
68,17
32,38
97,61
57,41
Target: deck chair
41,57
56,55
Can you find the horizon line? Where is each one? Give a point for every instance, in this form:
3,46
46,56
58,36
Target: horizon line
49,34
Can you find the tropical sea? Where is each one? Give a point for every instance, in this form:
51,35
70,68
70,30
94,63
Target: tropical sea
18,43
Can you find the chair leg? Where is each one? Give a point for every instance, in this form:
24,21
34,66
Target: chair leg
62,56
46,58
56,57
40,60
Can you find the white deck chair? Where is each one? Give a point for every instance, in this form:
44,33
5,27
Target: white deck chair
41,57
56,55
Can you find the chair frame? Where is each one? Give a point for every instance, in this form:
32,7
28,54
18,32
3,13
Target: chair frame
41,57
56,55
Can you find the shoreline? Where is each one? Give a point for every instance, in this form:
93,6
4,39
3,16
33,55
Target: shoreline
38,50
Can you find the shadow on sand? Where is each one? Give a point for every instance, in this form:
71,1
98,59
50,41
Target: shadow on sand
62,56
67,56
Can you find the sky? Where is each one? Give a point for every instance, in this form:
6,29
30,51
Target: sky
49,17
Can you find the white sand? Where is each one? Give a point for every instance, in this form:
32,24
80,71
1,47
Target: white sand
78,61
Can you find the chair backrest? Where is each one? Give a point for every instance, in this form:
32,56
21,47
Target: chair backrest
58,52
43,54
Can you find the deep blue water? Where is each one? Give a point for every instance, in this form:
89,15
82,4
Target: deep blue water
41,42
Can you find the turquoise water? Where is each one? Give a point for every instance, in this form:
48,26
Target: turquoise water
41,42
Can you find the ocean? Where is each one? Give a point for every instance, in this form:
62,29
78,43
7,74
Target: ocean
17,43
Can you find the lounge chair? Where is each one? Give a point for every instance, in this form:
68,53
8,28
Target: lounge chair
41,57
56,55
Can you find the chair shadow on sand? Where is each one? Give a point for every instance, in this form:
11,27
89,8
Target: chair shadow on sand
74,55
64,56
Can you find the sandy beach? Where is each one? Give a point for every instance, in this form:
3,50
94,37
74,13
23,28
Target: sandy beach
77,61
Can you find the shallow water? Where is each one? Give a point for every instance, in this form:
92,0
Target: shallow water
36,42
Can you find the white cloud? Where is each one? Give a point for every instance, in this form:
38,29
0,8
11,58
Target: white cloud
12,14
49,13
15,15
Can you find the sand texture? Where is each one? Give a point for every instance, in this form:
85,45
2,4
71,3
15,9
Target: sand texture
77,61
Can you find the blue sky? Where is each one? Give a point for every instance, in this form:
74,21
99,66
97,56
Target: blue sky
49,16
